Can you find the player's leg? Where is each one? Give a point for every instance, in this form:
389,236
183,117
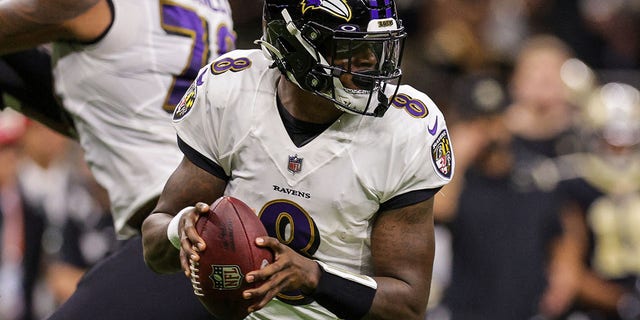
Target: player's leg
122,287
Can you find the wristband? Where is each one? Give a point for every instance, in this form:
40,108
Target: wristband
173,229
349,296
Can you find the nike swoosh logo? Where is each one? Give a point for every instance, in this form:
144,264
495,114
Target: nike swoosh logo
433,130
199,81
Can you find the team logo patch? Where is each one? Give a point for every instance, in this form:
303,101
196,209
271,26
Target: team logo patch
226,277
185,104
295,164
442,155
338,8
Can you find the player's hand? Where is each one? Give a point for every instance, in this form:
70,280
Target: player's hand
289,271
190,241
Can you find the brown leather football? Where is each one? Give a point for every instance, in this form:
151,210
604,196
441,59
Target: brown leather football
229,230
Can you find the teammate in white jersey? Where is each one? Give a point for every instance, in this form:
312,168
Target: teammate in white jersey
120,66
340,162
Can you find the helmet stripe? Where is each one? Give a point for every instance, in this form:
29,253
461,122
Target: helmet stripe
389,12
376,10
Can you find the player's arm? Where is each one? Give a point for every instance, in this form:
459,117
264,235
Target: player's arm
188,185
402,246
565,267
28,23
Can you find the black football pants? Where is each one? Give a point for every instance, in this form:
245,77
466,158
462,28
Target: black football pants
122,287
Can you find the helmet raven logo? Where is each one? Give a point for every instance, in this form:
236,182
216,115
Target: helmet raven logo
338,8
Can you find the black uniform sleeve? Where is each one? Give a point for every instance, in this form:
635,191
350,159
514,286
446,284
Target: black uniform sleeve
26,76
409,198
201,161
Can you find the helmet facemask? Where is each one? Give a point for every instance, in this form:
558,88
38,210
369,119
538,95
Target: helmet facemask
356,70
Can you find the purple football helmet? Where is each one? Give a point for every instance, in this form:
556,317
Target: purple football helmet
347,51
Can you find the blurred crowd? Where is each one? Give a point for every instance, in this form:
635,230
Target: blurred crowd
541,221
54,218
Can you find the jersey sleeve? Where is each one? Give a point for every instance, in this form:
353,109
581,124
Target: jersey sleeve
214,116
197,120
423,159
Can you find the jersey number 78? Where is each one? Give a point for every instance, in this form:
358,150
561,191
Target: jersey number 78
184,21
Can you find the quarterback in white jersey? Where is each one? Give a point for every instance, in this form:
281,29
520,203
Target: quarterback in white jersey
327,192
122,89
341,166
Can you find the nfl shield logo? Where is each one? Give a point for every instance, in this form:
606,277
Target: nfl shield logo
226,277
295,164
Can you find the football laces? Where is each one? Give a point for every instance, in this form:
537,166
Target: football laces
195,283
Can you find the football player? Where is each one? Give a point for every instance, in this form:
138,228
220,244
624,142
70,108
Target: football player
120,66
603,189
339,160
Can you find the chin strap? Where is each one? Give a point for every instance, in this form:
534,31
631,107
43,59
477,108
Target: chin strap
383,104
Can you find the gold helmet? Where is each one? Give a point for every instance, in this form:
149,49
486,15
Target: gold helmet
612,112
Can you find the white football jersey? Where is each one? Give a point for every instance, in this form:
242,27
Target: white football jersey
122,90
321,198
